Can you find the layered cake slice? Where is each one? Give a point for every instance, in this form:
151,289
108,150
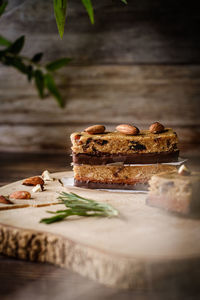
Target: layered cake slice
176,191
123,159
108,147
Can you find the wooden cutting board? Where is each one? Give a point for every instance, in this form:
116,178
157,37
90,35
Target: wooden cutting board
140,248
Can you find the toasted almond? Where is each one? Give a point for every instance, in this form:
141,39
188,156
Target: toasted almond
183,170
127,129
5,200
156,128
95,129
33,181
20,195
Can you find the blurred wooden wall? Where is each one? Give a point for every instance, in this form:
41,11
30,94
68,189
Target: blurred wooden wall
139,63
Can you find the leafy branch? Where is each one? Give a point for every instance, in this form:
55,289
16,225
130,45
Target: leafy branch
41,74
79,206
60,11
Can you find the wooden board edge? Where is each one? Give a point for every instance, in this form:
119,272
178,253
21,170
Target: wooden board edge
110,270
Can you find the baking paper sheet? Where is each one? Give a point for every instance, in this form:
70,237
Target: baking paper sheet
69,182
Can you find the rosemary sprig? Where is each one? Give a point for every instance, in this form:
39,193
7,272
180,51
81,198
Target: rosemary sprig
80,206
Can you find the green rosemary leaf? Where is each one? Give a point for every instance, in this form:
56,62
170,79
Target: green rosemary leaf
4,41
17,46
53,219
124,1
51,86
3,5
39,82
88,6
57,64
37,57
60,8
80,206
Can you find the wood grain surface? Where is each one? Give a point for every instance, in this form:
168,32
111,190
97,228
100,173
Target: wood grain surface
28,280
139,63
142,246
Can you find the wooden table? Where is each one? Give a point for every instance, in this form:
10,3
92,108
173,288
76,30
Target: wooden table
26,280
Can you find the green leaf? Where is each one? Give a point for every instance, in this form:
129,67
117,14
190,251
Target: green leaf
39,82
88,6
17,46
60,8
3,7
51,86
29,72
16,62
4,41
124,1
57,64
79,206
56,218
37,57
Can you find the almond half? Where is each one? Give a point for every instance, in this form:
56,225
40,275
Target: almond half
20,195
5,200
32,181
156,128
127,129
95,129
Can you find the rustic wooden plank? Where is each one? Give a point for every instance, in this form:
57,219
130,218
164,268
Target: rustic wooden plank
141,32
55,138
110,94
27,280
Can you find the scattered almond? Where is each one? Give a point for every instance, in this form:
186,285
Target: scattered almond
5,200
127,129
33,181
20,195
47,176
183,170
38,188
156,128
95,129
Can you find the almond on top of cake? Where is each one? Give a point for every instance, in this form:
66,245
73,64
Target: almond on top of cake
176,191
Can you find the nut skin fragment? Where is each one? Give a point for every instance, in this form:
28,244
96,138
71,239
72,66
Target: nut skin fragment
38,188
47,176
156,128
127,129
32,181
5,200
20,195
184,171
95,129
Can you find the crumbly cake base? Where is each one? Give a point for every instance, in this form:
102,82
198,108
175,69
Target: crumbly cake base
118,175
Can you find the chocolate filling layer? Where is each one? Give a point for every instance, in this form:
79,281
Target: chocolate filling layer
135,158
116,186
